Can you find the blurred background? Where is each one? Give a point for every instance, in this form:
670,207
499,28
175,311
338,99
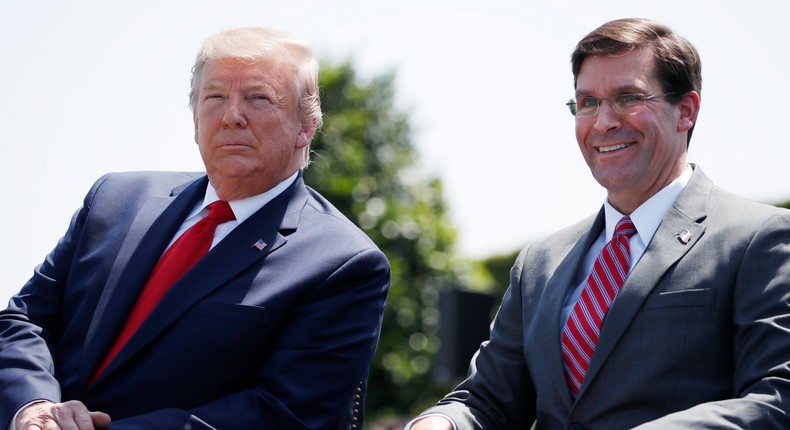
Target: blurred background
446,136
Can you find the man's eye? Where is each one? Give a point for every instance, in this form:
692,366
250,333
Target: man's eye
588,102
627,99
259,97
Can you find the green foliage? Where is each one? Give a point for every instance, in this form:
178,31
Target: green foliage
363,162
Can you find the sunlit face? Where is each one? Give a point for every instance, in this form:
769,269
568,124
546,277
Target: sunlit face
633,156
248,126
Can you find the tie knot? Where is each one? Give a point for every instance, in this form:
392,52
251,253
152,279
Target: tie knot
625,227
220,212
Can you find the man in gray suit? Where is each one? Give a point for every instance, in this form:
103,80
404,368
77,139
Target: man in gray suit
697,336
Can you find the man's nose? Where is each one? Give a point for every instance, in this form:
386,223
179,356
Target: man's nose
606,118
234,114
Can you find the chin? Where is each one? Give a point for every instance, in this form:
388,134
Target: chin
612,181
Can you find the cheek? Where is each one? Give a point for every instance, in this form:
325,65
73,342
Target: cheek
200,135
581,136
206,125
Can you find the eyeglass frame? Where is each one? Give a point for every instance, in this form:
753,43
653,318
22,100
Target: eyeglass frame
572,103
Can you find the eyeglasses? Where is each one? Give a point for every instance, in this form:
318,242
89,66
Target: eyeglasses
623,104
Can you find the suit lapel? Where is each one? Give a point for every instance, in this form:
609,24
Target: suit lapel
234,254
153,227
563,280
679,231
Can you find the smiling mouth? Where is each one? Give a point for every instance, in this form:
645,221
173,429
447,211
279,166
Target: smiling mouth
603,149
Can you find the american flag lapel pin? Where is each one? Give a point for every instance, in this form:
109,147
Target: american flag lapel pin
259,245
684,236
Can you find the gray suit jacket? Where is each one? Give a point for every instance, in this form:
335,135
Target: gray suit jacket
698,338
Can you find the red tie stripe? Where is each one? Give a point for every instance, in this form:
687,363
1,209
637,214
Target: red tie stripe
581,332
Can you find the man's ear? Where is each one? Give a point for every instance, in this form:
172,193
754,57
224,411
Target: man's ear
689,108
307,130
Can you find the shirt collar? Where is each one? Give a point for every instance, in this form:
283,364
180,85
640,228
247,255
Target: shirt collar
244,208
647,217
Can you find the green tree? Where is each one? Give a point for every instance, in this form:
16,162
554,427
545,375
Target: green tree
364,163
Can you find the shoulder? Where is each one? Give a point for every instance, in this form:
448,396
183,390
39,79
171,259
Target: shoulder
560,242
322,238
741,209
147,179
706,202
134,185
320,213
734,216
544,255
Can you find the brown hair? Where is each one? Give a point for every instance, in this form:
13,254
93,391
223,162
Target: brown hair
677,63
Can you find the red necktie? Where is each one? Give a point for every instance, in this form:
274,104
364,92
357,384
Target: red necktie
583,328
174,263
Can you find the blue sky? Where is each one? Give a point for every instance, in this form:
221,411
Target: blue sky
92,86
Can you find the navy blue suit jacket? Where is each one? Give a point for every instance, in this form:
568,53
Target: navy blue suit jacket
273,339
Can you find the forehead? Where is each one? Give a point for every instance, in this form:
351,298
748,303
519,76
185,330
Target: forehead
632,71
233,71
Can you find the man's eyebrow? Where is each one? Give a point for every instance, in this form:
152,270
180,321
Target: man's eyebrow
624,89
252,86
258,85
212,85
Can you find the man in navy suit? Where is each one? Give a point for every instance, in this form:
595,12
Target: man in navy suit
274,328
698,335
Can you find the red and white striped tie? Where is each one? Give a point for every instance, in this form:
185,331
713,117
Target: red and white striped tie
583,328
